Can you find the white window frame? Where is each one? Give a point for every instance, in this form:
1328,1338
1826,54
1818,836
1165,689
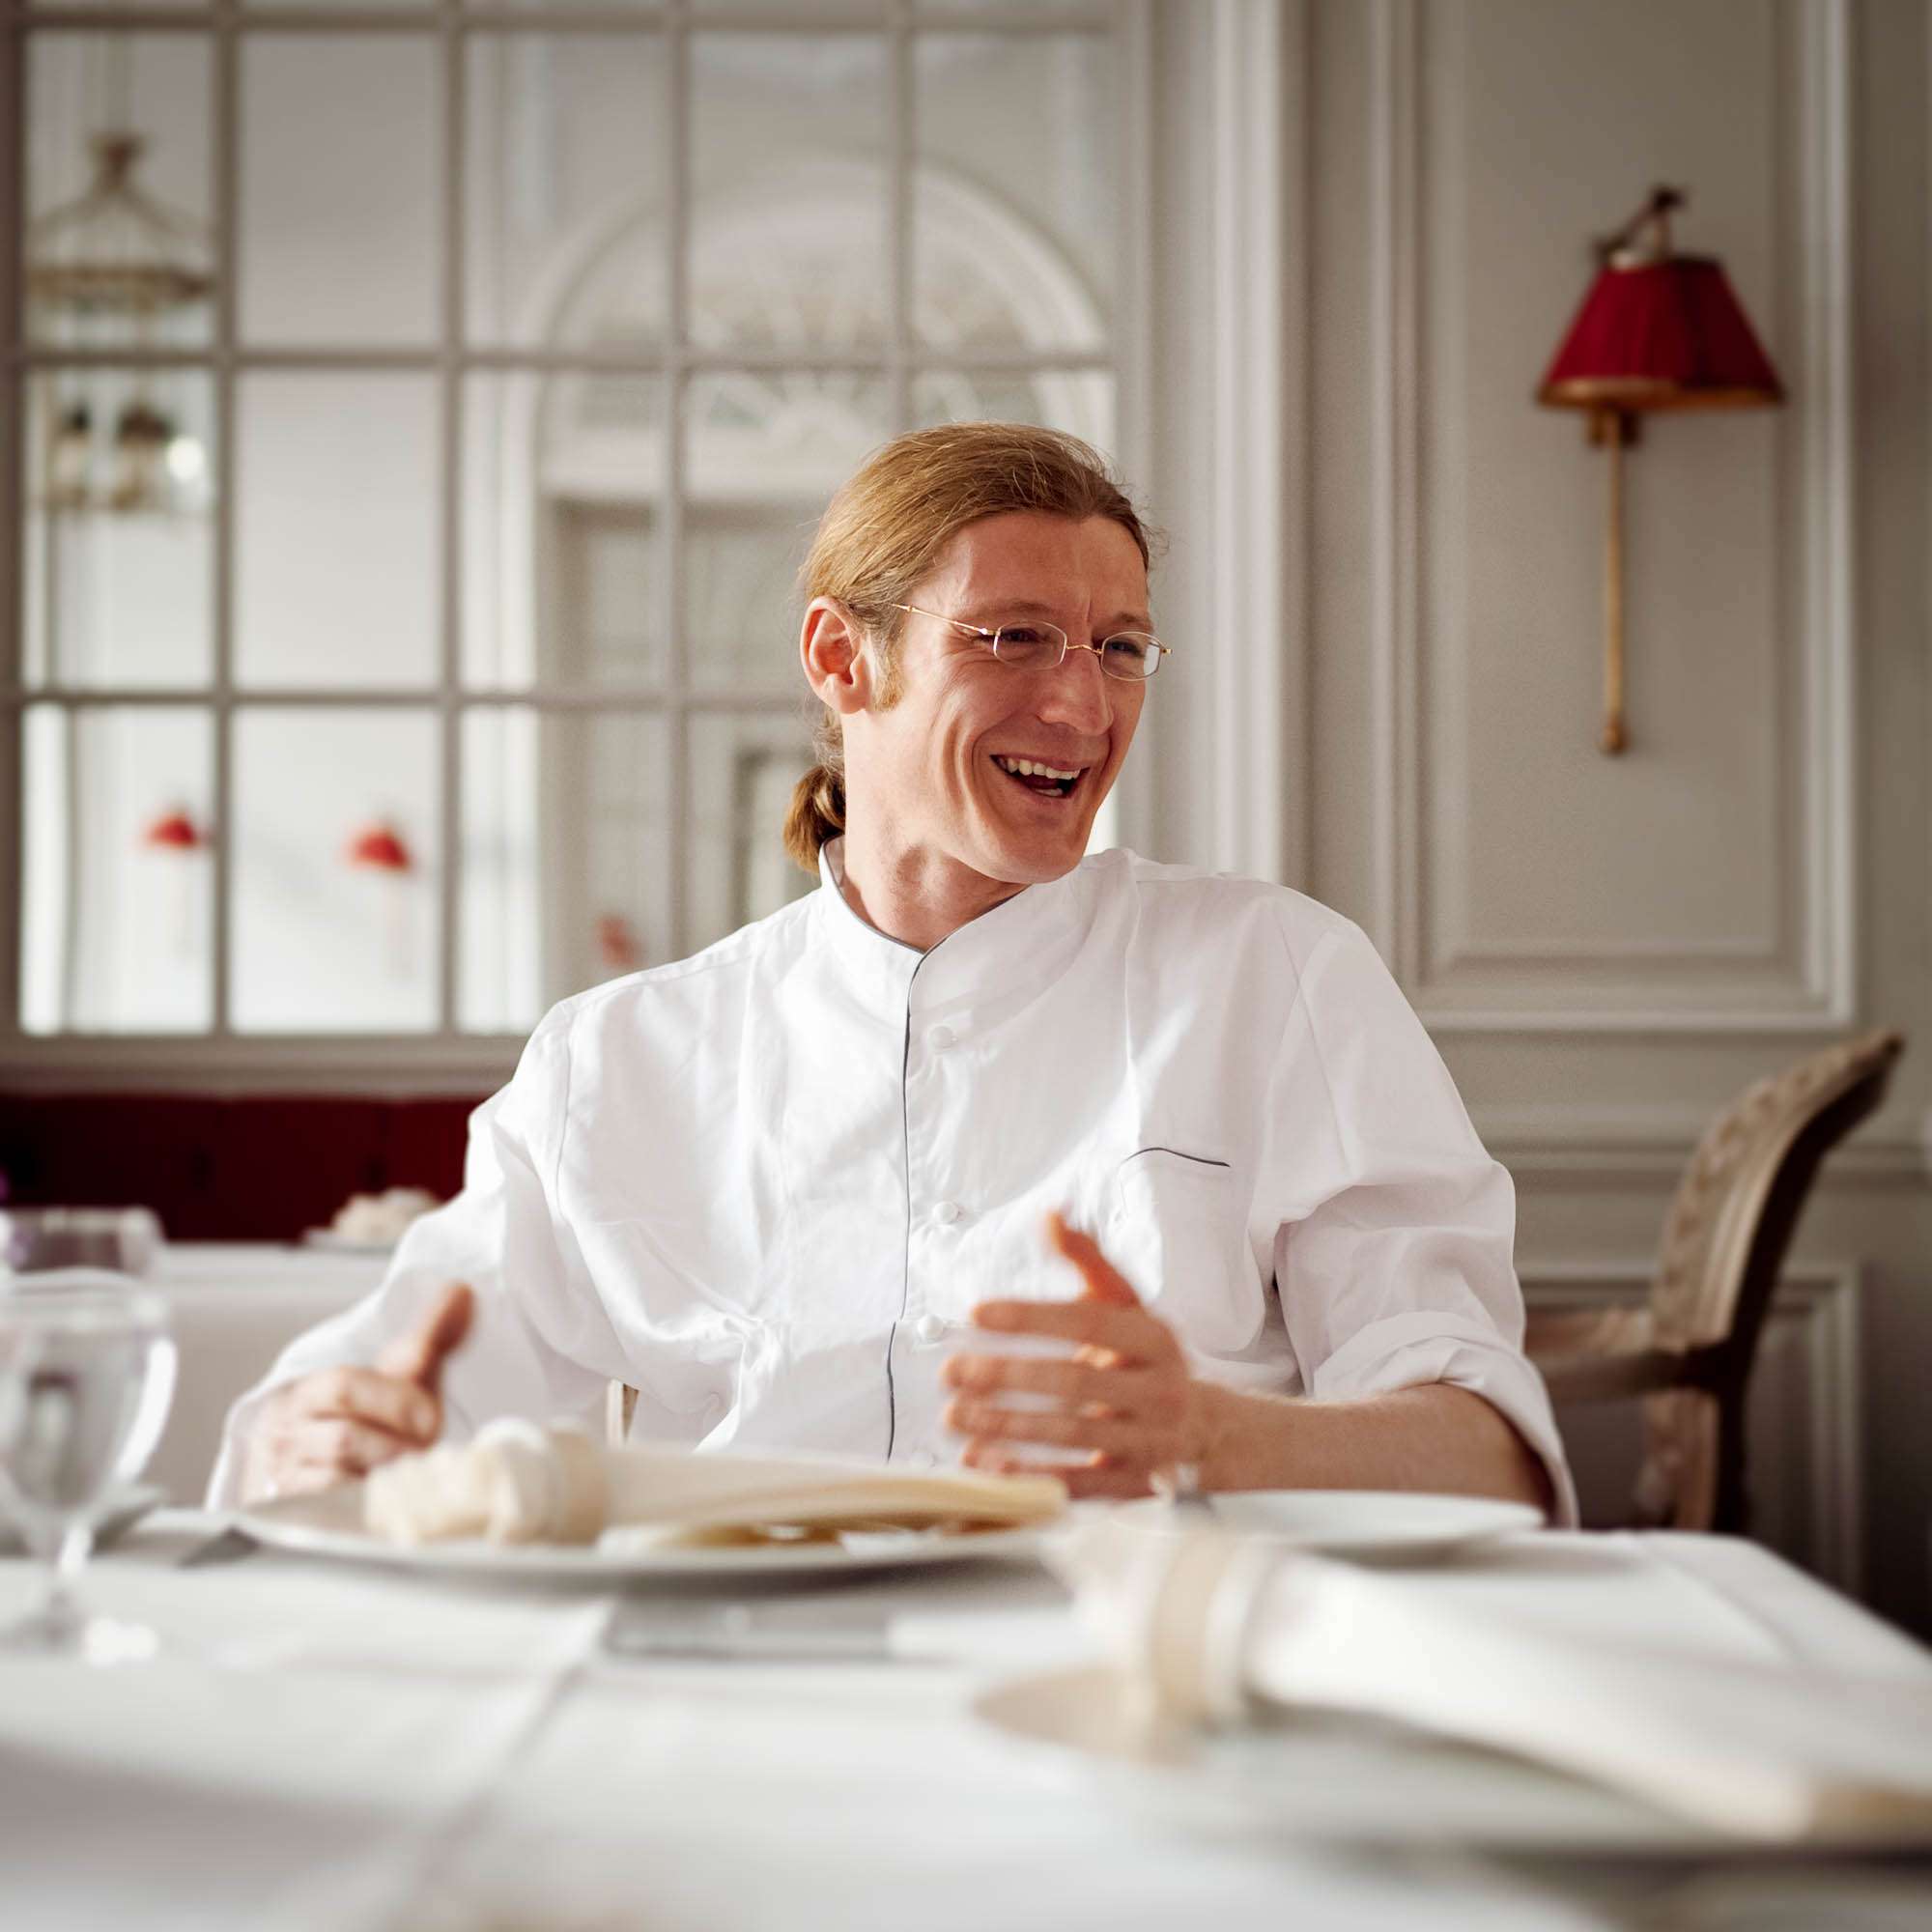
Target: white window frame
445,1058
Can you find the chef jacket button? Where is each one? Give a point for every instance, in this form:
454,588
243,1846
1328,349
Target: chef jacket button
941,1038
929,1328
945,1213
923,1459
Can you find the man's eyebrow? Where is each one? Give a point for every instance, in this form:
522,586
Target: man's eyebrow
998,609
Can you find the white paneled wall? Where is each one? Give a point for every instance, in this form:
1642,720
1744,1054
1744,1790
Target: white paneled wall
1605,950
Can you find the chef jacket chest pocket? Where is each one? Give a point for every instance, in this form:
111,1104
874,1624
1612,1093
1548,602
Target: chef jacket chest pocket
1177,1232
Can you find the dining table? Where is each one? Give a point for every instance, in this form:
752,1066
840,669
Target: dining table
347,1743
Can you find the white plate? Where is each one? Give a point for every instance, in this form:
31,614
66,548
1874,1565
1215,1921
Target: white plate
1374,1524
1315,1776
120,1518
330,1525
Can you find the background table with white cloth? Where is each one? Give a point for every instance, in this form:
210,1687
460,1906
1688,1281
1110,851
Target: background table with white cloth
351,1746
234,1306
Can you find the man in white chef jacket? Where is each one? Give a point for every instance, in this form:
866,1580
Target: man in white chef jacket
1180,1134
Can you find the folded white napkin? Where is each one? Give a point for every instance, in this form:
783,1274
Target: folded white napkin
1207,1624
519,1483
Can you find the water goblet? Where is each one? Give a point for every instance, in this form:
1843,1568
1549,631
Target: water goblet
86,1370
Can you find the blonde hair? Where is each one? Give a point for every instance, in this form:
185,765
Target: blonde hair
885,530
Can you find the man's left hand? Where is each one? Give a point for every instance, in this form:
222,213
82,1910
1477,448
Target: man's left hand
1124,1407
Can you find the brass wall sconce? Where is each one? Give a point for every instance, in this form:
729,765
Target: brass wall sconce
1657,330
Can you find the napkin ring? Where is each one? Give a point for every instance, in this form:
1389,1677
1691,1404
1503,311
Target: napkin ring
1197,1621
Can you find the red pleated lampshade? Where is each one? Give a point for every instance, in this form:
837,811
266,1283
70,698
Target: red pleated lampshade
1660,335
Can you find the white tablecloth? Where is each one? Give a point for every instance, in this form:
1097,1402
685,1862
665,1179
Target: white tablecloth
349,1748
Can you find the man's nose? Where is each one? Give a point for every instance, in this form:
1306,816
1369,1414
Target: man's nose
1075,694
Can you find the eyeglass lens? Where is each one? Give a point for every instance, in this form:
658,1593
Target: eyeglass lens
1036,646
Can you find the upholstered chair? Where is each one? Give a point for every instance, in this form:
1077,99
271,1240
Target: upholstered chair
1688,1353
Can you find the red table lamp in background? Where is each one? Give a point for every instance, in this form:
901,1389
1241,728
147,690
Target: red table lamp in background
378,847
1656,331
174,831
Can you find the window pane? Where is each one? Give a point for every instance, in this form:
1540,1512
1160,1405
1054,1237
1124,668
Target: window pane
155,88
566,858
563,530
117,545
1080,402
341,226
114,910
337,564
764,451
336,858
566,190
788,216
1016,198
742,774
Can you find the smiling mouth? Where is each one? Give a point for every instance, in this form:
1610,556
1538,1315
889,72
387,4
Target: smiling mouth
1042,780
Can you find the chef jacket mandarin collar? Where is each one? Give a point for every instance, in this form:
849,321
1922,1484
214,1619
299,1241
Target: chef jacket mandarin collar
1027,940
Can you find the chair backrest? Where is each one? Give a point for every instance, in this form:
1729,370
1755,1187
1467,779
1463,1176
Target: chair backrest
1724,1241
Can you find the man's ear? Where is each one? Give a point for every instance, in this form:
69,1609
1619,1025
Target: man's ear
832,647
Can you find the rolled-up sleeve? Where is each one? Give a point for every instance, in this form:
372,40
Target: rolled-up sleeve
536,1325
1396,1265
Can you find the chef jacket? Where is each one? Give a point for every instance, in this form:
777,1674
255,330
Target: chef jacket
765,1186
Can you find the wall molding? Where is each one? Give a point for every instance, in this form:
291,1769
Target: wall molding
1648,1151
1820,1302
262,1064
1131,802
1260,328
1395,521
1815,989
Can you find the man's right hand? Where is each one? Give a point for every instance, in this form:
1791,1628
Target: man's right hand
337,1424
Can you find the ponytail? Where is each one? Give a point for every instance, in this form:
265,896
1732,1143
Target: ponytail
817,814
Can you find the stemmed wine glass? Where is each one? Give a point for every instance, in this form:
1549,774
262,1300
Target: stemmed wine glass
86,1370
